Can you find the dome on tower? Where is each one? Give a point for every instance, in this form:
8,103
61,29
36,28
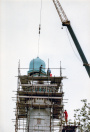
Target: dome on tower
35,64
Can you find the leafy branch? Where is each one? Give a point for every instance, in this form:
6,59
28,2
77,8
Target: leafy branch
82,116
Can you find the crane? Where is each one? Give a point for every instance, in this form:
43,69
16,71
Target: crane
66,22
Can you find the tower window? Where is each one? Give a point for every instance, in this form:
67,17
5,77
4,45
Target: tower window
39,121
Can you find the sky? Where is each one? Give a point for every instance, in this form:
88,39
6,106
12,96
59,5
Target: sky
19,22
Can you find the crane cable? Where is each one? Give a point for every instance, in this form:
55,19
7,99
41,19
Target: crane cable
39,28
72,46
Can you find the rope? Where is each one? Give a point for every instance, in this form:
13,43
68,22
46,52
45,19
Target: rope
72,47
39,27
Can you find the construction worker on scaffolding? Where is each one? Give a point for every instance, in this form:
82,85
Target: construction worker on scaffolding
48,72
66,116
40,69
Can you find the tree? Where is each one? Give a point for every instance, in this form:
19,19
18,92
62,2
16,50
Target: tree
82,117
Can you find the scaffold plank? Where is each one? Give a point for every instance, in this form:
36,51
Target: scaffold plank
40,97
39,85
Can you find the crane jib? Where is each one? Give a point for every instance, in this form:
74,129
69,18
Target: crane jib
80,51
66,22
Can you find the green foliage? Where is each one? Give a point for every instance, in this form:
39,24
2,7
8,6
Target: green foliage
82,117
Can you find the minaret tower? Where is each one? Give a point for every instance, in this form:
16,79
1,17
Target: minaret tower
39,99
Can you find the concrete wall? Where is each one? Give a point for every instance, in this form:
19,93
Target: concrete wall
38,120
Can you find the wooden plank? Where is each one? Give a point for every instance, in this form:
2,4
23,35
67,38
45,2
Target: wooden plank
56,79
40,97
40,85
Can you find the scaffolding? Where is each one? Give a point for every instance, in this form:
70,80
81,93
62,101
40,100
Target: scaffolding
38,93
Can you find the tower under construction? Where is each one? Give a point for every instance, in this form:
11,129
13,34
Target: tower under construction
39,105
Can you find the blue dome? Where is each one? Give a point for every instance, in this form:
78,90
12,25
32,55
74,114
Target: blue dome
35,64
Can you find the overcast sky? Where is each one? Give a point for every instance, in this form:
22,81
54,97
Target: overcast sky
19,40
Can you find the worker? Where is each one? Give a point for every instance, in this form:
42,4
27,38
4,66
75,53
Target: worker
66,116
40,69
48,72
